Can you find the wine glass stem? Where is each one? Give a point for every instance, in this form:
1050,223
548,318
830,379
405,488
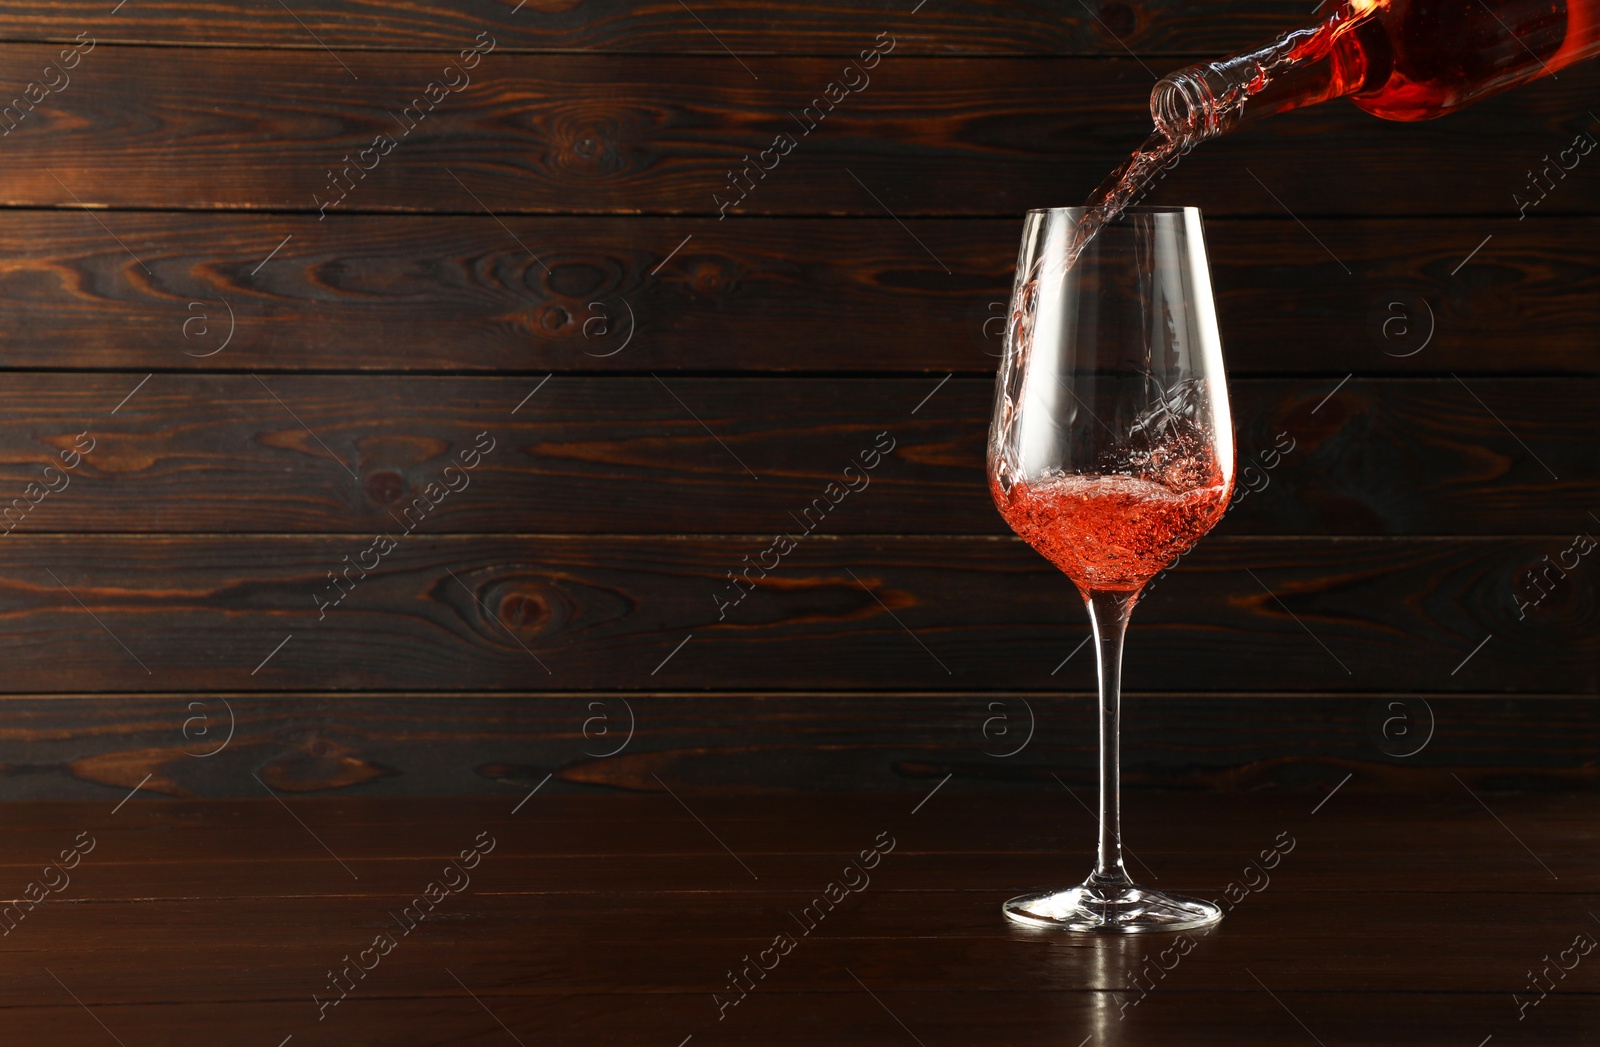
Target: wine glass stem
1108,616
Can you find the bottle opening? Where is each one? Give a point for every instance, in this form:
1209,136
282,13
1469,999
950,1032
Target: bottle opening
1183,107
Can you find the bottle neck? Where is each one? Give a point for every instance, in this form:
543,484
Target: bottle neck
1300,68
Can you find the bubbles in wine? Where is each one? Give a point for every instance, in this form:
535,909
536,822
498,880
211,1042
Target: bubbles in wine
1142,504
1114,532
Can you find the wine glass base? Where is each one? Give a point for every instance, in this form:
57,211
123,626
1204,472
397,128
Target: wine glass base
1106,909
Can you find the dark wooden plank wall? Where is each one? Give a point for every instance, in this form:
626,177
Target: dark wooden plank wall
268,383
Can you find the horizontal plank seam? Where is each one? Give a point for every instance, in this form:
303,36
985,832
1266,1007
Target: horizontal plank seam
345,214
743,693
909,374
837,216
899,538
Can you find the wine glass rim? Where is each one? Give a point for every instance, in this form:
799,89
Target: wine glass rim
1078,212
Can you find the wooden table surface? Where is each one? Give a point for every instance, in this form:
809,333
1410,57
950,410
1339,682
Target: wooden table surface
1382,919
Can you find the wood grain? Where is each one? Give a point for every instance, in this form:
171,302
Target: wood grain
625,937
421,744
1242,1017
243,453
652,134
219,905
579,612
291,873
549,831
460,293
829,27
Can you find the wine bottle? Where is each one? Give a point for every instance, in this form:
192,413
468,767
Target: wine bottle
1397,59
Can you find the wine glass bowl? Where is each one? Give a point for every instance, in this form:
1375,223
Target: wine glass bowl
1111,453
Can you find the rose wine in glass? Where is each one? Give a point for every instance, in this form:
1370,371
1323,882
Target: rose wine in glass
1111,453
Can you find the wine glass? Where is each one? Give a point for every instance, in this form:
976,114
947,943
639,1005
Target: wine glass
1111,452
